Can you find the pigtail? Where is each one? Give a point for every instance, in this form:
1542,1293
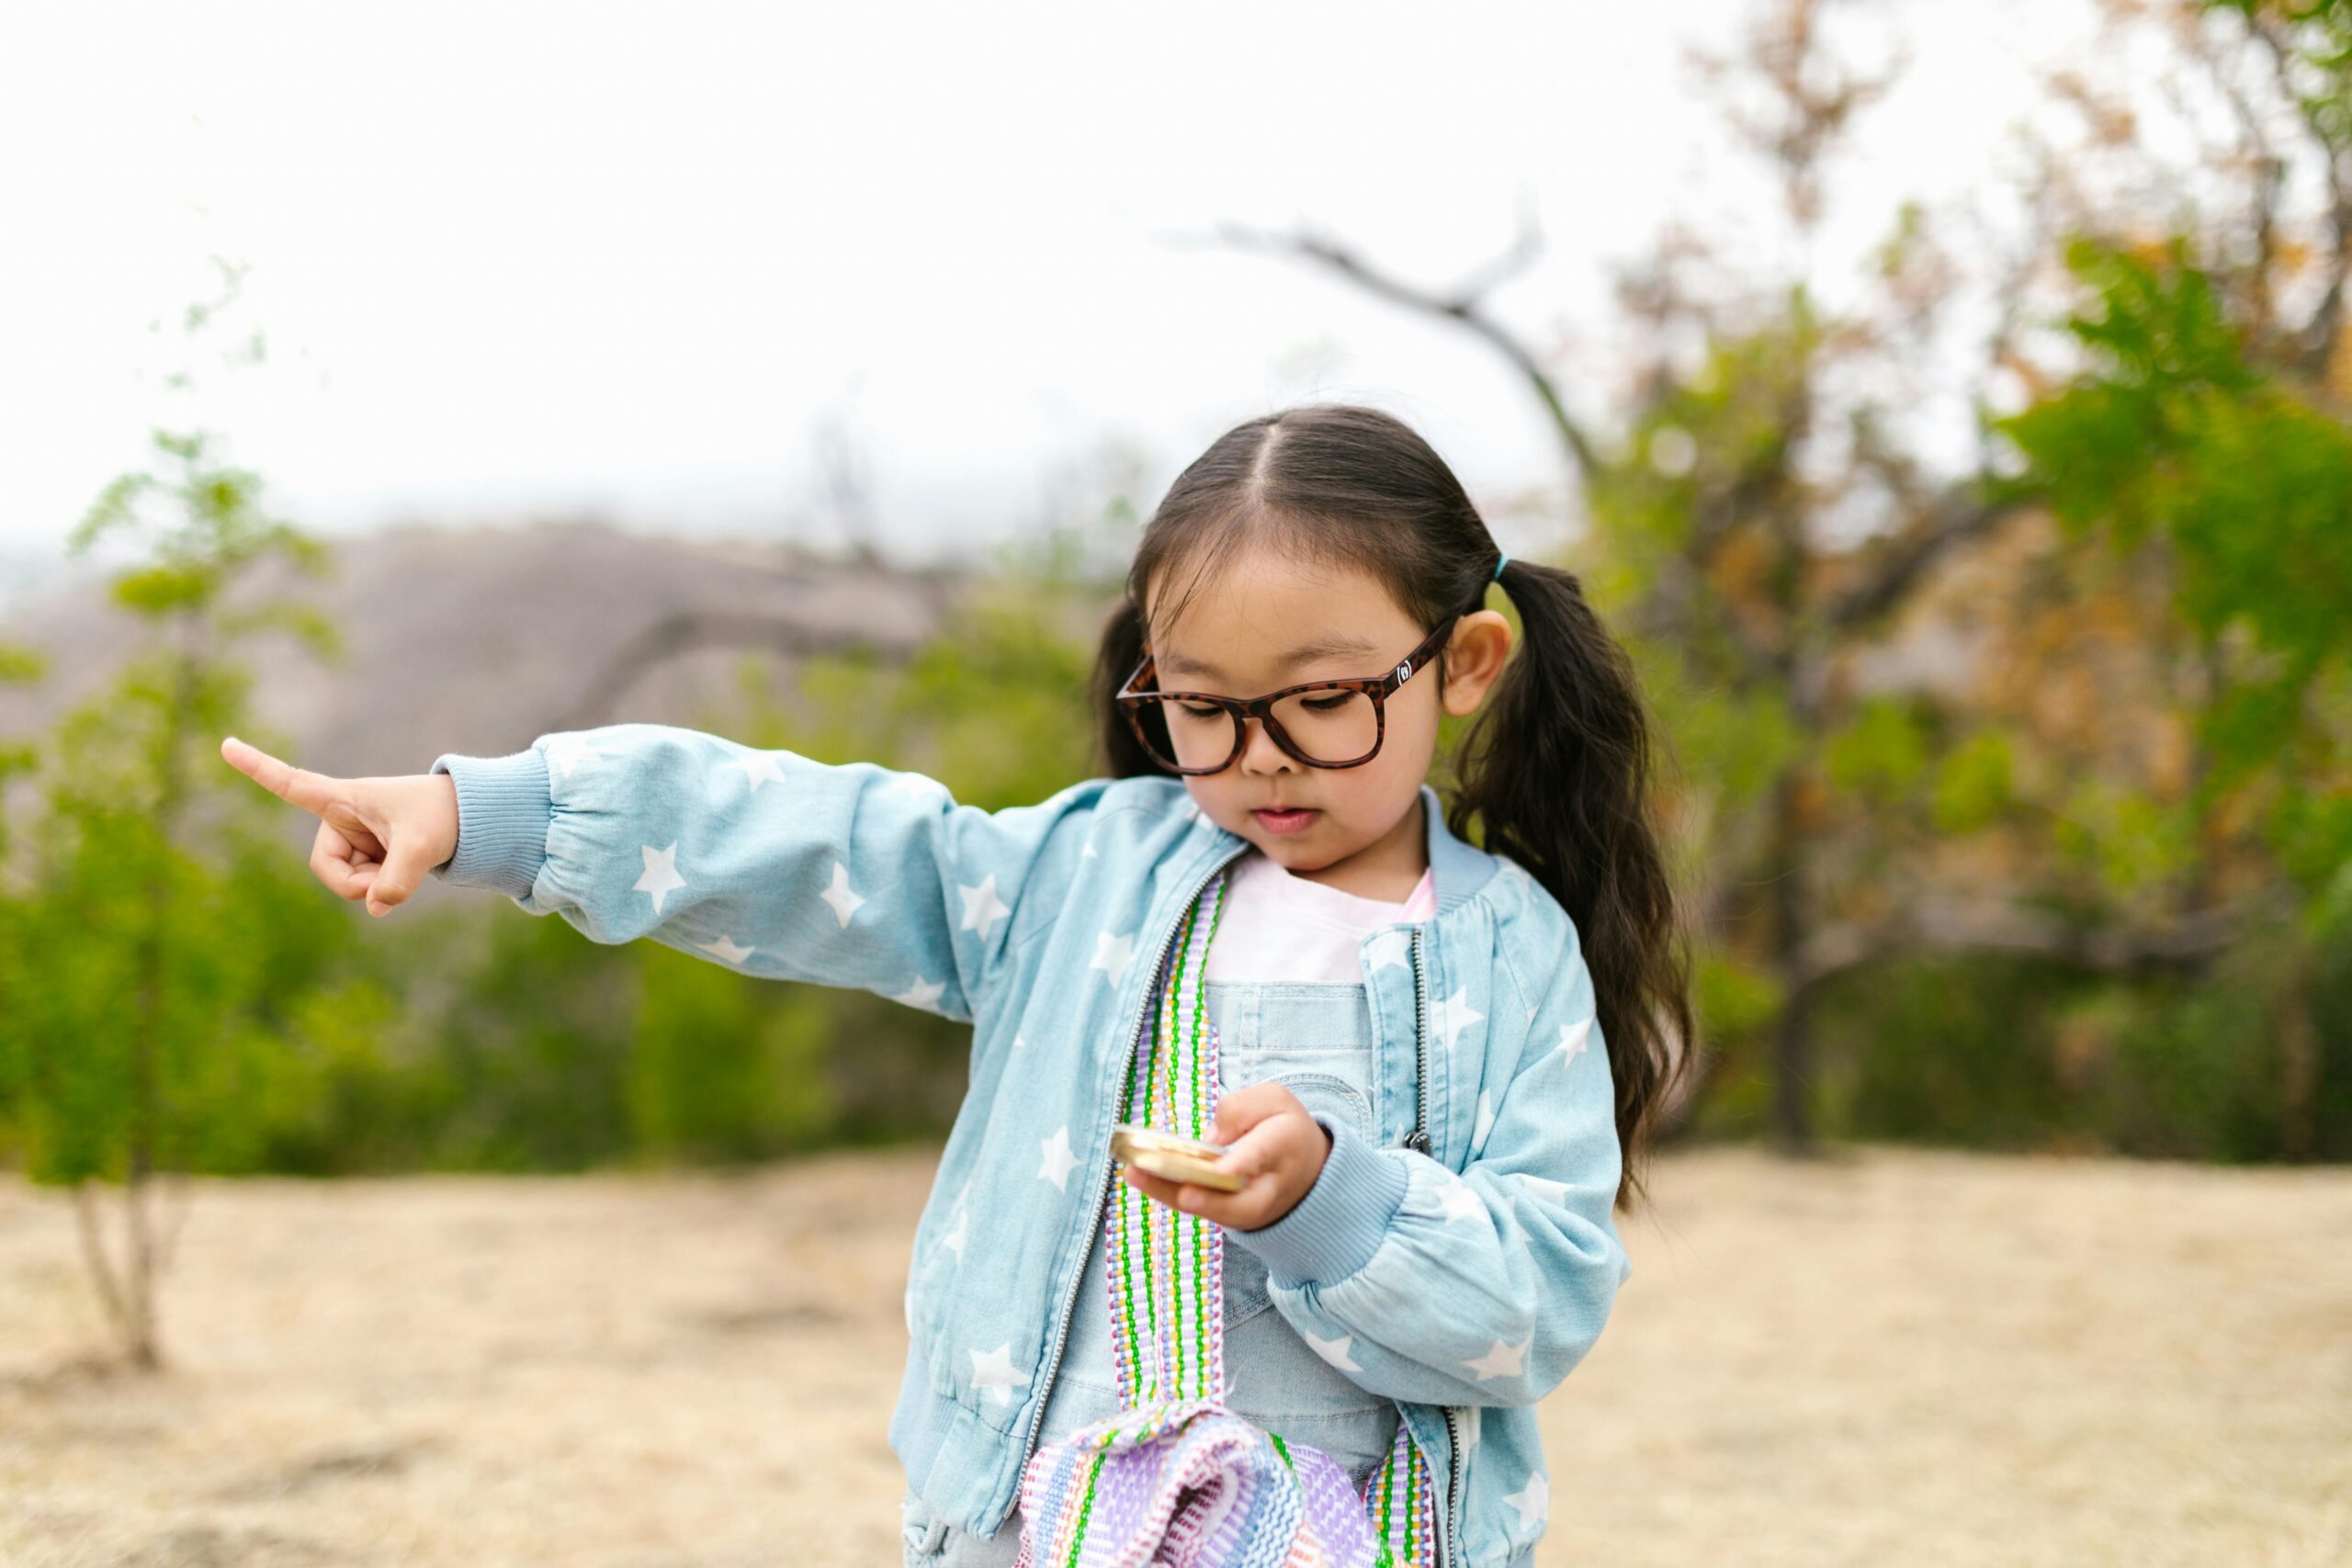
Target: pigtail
1120,754
1555,768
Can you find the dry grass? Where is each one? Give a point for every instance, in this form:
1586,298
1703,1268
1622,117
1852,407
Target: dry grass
1892,1358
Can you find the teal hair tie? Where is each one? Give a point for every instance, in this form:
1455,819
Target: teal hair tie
1498,568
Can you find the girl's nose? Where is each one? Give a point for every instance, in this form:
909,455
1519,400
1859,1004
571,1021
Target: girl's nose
1259,752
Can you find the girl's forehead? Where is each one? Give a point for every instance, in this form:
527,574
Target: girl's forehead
1255,585
1268,614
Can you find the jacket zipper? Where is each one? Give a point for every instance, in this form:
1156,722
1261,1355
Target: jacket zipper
1418,1141
1102,1188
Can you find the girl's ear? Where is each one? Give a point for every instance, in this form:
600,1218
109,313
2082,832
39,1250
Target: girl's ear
1474,658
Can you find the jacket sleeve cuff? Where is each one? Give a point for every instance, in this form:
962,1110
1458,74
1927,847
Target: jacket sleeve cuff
1336,1228
503,810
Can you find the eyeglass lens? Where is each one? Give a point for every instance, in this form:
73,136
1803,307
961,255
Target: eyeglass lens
1327,726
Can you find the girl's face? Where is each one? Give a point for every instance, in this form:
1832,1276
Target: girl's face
1264,621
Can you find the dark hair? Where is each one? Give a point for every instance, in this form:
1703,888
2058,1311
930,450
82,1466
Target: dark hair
1556,768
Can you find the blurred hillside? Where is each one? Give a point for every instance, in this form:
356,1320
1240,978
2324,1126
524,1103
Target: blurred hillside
478,639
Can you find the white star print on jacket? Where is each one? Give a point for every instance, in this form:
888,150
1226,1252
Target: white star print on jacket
1452,1016
838,895
728,950
1531,1500
982,907
660,878
1463,1279
1059,1162
759,767
569,752
1111,954
994,1376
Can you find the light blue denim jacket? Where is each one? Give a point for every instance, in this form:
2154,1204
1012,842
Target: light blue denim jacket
1460,1260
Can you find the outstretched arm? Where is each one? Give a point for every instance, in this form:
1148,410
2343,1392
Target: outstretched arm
766,861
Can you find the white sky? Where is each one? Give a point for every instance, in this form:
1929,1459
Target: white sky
513,260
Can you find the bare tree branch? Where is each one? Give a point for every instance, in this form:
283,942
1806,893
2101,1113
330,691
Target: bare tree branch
1463,305
686,630
2318,336
1907,560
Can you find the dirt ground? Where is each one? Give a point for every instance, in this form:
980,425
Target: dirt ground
1890,1358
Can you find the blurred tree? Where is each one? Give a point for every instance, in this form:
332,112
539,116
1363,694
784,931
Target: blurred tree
19,666
139,1026
1765,524
2194,415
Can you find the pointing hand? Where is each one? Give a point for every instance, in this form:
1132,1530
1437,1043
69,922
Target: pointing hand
377,837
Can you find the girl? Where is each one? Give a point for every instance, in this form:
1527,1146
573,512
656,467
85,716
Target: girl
1436,1063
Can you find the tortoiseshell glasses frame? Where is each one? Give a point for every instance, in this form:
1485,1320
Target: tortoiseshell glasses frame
1132,701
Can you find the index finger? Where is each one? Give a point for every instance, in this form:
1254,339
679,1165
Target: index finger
306,789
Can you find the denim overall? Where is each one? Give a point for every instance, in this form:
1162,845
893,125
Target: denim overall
1316,1039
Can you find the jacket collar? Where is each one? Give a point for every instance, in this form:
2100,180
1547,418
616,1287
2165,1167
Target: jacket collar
1458,869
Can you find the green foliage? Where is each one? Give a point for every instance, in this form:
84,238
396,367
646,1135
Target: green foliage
531,1062
2129,842
2194,1076
724,1070
1883,749
147,990
1736,1004
2018,1054
1895,752
2176,448
1972,783
2200,1071
1935,1050
1734,742
2170,431
146,1032
19,666
147,1039
2311,833
1697,443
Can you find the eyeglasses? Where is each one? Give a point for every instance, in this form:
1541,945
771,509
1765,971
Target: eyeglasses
1324,723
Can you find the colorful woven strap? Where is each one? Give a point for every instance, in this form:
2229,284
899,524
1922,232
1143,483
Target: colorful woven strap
1175,1477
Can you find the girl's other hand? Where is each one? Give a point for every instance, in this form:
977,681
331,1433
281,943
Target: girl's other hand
377,837
1272,1140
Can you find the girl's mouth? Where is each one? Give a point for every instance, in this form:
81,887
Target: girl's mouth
1296,820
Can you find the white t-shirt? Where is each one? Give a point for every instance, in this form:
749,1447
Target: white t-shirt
1278,926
